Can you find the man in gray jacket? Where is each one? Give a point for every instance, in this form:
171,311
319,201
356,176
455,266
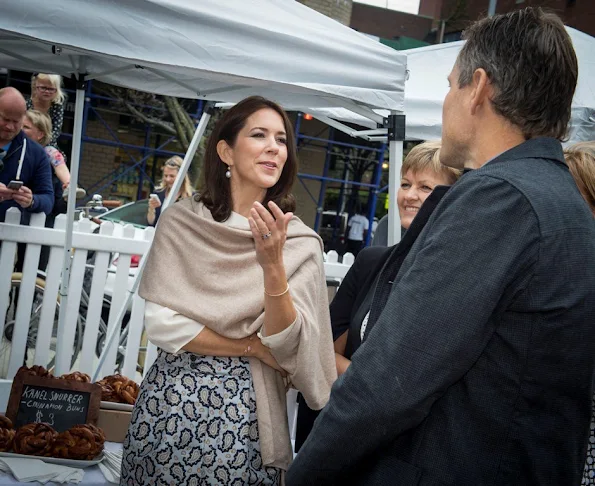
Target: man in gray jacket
479,367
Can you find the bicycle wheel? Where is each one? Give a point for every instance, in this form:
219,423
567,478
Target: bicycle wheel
122,342
6,343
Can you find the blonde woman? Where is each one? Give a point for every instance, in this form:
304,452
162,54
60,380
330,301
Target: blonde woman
581,162
421,174
170,171
580,158
47,97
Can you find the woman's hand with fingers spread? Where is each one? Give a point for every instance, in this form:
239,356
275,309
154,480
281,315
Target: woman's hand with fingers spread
269,232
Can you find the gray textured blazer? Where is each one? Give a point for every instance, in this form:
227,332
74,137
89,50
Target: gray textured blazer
479,368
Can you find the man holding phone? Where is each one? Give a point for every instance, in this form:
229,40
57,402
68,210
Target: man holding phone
25,172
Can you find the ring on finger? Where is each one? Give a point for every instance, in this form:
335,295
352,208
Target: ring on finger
268,235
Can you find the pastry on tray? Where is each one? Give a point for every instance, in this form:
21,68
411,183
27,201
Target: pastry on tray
35,370
107,392
35,439
77,376
81,442
118,388
6,434
5,422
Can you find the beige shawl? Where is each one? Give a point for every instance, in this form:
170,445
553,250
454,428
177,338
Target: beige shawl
208,271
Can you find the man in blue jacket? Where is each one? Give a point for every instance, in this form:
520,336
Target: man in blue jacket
21,160
478,369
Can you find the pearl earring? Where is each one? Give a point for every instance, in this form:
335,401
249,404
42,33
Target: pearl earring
228,173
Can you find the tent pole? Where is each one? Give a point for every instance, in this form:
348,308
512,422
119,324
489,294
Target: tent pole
373,199
492,8
200,130
396,135
63,359
322,193
338,216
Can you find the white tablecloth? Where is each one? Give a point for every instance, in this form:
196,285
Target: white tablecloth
93,476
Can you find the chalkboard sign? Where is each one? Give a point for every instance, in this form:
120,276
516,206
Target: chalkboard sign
59,403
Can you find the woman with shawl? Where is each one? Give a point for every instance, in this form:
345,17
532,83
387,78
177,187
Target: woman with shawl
237,302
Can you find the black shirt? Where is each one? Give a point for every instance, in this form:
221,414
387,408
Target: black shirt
354,298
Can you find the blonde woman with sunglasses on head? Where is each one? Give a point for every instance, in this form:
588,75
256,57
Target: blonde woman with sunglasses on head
170,172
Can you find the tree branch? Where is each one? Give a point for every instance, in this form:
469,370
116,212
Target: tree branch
182,137
149,120
139,115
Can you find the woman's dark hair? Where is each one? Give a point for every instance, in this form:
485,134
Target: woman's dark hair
529,58
215,192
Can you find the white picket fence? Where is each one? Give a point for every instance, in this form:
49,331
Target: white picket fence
31,320
29,304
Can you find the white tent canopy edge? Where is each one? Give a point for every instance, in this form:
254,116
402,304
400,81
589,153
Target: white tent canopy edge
427,86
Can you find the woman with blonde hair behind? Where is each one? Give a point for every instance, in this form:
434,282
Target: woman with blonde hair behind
170,171
424,181
580,158
47,97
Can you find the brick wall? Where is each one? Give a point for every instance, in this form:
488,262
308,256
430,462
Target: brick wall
389,24
339,10
579,14
430,8
97,160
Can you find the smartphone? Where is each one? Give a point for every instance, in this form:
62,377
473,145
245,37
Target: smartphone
15,185
153,196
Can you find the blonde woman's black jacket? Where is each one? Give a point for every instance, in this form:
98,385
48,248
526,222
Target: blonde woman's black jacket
353,299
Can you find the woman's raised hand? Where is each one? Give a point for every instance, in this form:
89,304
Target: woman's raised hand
269,232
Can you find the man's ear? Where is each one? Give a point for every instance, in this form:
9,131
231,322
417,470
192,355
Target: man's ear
224,151
482,89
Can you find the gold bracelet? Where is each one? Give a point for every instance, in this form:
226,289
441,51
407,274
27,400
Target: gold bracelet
277,295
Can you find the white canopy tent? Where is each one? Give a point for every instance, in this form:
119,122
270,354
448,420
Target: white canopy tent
209,50
427,86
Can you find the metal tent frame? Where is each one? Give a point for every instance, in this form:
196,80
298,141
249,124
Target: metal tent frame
147,152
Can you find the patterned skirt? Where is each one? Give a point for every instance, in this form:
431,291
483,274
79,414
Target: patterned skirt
194,423
589,474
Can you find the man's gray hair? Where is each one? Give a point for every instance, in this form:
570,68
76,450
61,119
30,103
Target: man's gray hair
529,59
